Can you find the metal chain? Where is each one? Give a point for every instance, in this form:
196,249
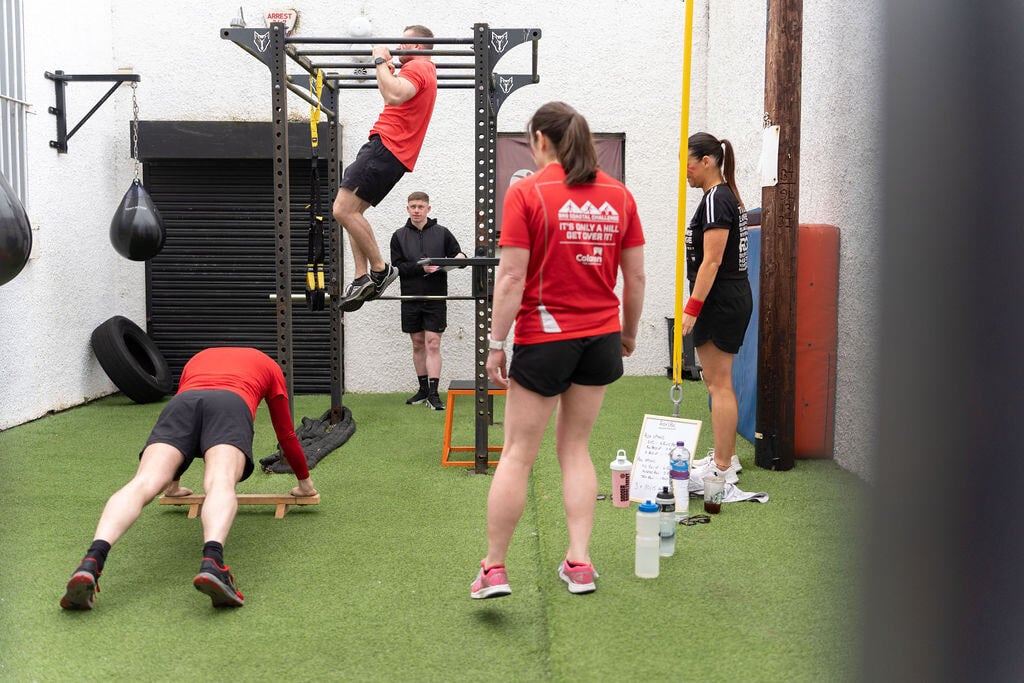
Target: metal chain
135,129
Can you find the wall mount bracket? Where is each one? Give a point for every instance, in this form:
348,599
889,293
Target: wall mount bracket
60,79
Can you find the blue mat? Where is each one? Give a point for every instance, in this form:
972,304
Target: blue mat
744,366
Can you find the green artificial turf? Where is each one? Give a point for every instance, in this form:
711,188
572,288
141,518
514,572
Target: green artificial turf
373,584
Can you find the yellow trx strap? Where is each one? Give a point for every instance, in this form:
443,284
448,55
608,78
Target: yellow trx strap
315,285
316,85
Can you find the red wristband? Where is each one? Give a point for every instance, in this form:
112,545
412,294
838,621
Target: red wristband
693,307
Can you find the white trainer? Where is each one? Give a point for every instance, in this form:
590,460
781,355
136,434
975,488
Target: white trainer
710,469
701,462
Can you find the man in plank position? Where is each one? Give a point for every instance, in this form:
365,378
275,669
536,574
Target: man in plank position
211,417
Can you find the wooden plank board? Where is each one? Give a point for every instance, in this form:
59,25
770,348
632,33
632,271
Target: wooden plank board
195,501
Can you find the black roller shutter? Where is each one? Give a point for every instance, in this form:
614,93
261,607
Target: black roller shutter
211,284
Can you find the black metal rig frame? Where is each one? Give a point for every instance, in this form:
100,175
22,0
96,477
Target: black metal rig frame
276,49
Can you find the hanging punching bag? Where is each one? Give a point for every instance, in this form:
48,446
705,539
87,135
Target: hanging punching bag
136,230
15,233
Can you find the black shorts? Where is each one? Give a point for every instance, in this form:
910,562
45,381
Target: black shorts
723,319
374,172
195,421
419,316
549,368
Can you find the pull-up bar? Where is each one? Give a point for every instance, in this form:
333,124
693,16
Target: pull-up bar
257,42
363,40
272,47
356,53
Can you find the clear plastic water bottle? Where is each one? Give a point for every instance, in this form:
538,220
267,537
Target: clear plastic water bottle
679,475
666,522
647,541
679,453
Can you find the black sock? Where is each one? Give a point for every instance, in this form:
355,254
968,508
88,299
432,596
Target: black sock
98,553
423,382
432,385
214,551
378,275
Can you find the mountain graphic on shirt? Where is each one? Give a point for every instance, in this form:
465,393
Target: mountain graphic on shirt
571,211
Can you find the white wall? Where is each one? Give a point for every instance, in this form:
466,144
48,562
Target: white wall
74,280
840,169
190,73
621,68
840,152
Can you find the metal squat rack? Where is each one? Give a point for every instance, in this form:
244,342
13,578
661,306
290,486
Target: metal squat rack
487,46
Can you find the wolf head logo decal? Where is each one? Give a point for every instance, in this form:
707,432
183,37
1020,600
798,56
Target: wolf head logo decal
499,43
505,84
262,40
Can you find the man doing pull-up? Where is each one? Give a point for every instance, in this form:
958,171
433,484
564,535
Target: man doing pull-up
392,149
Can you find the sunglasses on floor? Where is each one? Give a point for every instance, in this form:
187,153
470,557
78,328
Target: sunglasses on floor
695,519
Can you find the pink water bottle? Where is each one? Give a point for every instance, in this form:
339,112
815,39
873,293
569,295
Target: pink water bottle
621,469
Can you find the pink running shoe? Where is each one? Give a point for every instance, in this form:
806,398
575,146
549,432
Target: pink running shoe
492,583
580,578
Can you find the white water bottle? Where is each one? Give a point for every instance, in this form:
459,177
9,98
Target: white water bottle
647,541
666,522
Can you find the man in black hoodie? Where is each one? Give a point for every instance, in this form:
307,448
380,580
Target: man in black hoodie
424,320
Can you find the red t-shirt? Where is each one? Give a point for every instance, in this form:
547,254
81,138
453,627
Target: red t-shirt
254,376
403,127
575,236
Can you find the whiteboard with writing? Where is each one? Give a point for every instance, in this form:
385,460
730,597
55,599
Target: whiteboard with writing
658,436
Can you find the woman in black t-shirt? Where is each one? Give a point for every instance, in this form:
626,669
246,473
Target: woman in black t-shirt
720,302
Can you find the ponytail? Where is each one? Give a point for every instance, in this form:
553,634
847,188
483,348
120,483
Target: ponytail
704,144
574,146
729,169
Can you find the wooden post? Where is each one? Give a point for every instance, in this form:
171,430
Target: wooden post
776,348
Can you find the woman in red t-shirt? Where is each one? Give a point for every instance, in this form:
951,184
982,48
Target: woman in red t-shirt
568,230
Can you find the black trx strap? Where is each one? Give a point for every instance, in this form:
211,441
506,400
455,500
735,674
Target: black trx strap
315,255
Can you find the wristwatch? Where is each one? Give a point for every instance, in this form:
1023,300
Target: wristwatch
494,345
379,61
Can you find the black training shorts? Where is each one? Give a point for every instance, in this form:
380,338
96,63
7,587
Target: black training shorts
724,317
419,316
549,368
374,172
197,420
